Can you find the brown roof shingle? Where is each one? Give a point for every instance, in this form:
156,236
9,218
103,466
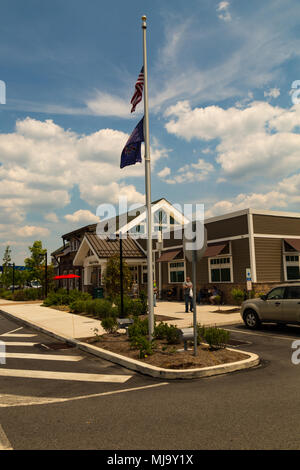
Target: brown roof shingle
105,248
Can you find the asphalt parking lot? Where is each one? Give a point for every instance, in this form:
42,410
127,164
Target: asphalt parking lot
253,409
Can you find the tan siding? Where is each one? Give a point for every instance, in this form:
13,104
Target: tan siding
227,227
276,225
269,264
202,272
240,259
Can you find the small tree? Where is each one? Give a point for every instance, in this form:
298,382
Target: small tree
218,302
7,270
36,262
238,295
112,277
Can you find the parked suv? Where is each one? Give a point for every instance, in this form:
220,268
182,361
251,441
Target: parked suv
281,305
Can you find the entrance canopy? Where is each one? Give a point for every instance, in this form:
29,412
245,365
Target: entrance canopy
169,255
214,250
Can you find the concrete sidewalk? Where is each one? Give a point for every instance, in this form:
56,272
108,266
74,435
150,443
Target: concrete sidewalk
79,326
54,321
206,314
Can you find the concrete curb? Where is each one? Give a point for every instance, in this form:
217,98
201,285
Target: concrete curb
147,369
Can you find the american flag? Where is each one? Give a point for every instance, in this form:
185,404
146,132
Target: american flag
137,96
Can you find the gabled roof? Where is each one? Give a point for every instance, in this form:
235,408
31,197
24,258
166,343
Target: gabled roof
61,250
107,248
130,216
78,231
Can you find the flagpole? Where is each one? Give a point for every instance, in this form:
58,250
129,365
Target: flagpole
148,188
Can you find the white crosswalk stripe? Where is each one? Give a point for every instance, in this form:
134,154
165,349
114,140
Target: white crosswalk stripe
81,377
16,335
19,343
50,375
43,357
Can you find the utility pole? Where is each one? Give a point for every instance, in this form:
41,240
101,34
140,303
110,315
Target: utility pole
148,187
121,275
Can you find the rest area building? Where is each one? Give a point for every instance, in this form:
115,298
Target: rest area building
266,243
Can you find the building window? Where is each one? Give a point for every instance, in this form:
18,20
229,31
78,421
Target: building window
176,272
137,229
145,274
220,269
292,267
65,281
74,244
161,221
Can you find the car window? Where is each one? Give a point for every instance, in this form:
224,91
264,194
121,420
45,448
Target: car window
293,292
276,293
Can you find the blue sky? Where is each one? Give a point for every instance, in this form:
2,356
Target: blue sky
224,129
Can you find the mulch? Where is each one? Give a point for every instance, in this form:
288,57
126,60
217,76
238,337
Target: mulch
167,356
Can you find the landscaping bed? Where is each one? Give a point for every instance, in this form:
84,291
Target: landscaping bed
165,355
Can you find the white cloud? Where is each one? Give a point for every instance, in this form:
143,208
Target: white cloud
223,9
82,216
164,172
41,163
285,197
272,93
104,104
184,70
189,173
32,231
259,139
51,217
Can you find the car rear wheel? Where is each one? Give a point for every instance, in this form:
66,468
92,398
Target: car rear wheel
251,319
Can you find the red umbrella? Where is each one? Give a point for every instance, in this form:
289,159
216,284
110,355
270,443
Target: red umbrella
66,276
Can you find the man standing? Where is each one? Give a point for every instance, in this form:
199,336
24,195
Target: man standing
188,294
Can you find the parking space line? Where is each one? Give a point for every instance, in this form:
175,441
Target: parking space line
49,401
12,331
16,335
43,357
18,343
261,334
4,442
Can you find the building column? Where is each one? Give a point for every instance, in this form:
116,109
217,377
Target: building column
251,246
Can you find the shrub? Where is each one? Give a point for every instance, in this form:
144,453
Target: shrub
172,334
100,308
217,338
160,330
143,299
109,324
143,344
218,301
137,307
103,308
200,333
27,294
127,306
75,294
57,298
138,328
6,294
238,295
78,306
63,297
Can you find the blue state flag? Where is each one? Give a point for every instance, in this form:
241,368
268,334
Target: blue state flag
132,151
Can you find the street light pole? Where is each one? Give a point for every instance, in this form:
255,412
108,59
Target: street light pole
46,275
121,275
